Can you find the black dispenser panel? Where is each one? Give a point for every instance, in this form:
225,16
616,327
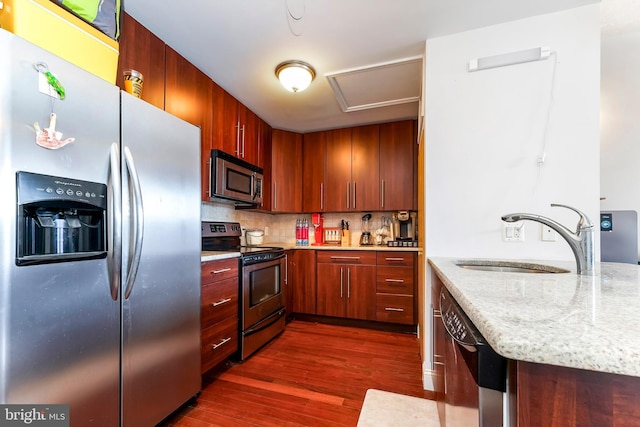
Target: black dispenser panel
59,219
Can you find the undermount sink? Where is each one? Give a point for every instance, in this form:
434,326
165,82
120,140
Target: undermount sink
509,266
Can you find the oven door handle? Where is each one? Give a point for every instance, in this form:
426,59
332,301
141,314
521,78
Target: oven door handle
265,323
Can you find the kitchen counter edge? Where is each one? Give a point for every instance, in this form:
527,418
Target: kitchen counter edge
206,256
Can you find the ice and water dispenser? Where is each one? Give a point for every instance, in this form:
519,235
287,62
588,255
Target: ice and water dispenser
59,219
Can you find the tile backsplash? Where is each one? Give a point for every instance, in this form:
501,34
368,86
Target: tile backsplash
281,228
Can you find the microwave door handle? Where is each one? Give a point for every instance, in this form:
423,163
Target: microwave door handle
254,188
115,223
138,223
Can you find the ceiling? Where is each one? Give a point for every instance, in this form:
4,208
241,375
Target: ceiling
368,49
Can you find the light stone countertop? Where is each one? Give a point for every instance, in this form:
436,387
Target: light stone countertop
564,319
375,248
217,255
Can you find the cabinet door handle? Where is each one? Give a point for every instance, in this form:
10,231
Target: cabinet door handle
321,196
275,198
242,155
336,257
340,282
382,194
393,309
348,193
222,301
223,270
209,191
354,194
394,280
221,343
238,139
393,259
348,282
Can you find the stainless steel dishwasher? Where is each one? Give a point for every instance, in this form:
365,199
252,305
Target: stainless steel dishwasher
475,375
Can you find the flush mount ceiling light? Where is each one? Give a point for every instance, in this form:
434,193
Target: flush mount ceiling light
295,76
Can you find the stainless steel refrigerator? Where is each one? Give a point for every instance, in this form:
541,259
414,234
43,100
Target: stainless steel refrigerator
99,245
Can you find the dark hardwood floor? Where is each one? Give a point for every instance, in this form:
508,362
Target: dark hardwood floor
312,375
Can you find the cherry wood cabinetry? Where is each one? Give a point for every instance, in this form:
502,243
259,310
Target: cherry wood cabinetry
439,348
301,279
346,284
264,161
398,166
190,96
338,170
141,50
367,168
395,289
554,396
286,171
365,157
313,152
238,130
218,311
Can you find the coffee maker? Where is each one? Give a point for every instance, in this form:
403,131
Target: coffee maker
404,226
317,220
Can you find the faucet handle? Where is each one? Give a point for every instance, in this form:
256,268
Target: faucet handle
584,224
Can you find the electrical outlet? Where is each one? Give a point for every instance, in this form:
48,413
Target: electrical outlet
548,234
266,230
513,231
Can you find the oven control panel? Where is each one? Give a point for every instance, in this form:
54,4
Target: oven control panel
220,229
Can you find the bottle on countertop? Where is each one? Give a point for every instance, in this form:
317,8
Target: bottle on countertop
305,232
298,233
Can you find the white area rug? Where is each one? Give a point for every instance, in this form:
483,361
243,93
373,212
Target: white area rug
384,409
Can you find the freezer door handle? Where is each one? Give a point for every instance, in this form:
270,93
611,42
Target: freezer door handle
138,221
115,255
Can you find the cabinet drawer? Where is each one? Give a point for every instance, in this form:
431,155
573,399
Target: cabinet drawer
395,280
346,257
395,309
398,259
218,342
218,270
219,300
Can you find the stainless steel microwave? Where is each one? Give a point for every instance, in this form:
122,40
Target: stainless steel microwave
235,180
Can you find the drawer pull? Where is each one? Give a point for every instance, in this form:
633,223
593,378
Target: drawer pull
224,270
222,301
394,259
393,309
345,257
221,343
394,280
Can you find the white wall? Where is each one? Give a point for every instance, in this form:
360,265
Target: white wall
620,118
484,132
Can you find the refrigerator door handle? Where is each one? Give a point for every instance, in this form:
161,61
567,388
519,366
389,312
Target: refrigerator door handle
138,220
115,255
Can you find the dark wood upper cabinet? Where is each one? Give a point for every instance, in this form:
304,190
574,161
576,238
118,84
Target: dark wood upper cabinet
398,166
141,50
286,171
338,192
365,157
189,96
313,149
264,161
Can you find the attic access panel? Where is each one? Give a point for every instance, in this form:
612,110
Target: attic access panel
378,85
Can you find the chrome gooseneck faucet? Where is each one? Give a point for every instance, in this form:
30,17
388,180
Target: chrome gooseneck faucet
581,242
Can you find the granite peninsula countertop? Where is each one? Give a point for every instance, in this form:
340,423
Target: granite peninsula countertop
563,319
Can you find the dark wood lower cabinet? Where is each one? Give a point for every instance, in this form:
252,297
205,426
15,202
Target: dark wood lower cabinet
301,279
553,396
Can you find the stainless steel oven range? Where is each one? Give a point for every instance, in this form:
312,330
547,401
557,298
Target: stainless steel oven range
262,299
